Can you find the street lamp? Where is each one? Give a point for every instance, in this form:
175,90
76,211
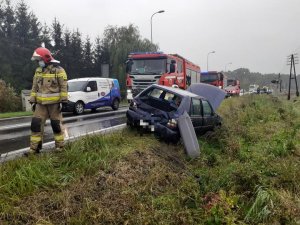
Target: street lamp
227,64
160,11
207,58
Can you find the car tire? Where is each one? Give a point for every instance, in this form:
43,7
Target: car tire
78,108
115,104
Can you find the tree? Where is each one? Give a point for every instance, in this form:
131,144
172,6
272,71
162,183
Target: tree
46,36
88,58
57,38
22,28
67,52
76,54
8,21
118,42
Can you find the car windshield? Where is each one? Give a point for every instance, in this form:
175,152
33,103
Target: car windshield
148,66
76,86
231,82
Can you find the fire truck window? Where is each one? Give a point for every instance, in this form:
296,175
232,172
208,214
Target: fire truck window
179,67
193,77
198,77
207,111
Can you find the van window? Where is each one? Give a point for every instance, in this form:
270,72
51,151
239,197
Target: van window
76,86
92,85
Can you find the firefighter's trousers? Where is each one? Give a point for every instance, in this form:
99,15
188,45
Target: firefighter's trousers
41,114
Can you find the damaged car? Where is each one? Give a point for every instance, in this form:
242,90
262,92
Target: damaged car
158,108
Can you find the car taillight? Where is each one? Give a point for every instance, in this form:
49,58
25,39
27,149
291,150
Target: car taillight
172,123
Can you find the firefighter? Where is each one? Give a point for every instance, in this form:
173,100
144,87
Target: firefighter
48,94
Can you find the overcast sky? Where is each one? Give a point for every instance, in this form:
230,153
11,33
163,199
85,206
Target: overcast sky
253,34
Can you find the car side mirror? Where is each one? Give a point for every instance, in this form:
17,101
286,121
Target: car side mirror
88,89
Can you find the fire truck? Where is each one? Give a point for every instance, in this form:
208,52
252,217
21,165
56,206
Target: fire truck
146,68
214,78
233,87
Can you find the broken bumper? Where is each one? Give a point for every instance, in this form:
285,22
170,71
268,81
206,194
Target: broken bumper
145,120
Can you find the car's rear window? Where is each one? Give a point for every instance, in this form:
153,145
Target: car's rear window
161,99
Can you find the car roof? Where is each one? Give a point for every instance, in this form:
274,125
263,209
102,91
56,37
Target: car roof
176,91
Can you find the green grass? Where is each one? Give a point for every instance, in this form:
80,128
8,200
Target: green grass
248,173
14,114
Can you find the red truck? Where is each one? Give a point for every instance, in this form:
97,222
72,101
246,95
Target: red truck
233,87
146,68
214,78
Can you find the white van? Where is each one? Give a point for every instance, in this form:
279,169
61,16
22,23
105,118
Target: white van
92,93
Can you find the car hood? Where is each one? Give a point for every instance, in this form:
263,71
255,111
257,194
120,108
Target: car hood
214,95
151,112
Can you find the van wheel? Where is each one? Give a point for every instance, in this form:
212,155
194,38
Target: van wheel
79,108
115,104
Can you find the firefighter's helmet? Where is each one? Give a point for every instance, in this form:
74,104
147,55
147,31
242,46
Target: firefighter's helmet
44,54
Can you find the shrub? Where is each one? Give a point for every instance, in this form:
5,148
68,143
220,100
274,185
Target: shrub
9,101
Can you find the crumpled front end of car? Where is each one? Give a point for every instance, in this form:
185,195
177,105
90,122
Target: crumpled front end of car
160,124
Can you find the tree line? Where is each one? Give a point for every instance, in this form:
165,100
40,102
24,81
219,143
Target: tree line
246,77
21,33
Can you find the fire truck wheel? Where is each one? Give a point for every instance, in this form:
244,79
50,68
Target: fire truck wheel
115,104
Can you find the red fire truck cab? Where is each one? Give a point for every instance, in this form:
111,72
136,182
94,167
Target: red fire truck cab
146,68
214,78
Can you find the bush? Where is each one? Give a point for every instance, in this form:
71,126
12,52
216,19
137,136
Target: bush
9,101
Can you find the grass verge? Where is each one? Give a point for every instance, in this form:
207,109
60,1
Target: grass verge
14,114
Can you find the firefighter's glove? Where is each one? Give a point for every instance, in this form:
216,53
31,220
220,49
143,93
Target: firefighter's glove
33,106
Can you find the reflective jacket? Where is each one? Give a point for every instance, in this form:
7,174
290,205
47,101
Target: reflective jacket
49,85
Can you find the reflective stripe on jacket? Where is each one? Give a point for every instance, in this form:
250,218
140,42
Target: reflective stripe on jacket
49,85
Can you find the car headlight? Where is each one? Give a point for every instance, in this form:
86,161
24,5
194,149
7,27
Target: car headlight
172,123
133,104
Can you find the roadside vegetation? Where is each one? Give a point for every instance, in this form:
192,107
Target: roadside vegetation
248,173
9,101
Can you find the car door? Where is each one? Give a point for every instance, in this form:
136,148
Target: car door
209,117
104,92
196,113
91,91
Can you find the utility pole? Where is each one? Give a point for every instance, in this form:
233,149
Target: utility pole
279,82
292,60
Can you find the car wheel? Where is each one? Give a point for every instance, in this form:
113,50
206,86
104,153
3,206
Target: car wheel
115,104
79,108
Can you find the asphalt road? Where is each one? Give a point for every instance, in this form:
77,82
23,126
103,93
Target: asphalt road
15,132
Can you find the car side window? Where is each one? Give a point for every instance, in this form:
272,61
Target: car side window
196,107
92,85
207,110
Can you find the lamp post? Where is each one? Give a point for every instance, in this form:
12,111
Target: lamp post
207,58
227,64
160,11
